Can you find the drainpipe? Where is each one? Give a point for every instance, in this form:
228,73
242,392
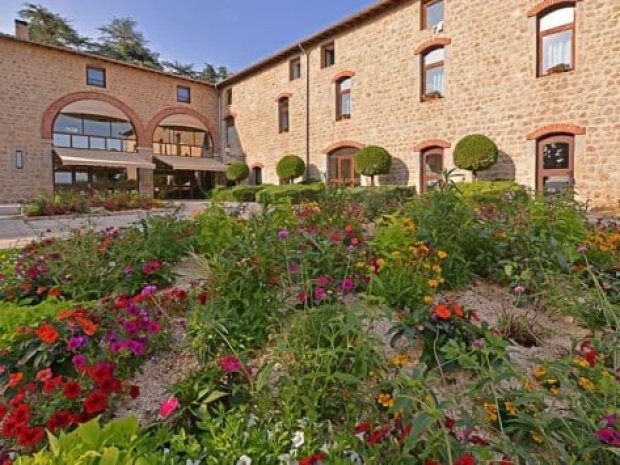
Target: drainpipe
305,52
219,121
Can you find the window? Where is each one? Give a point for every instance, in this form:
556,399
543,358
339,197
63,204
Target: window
295,69
341,167
283,115
343,98
95,76
183,94
328,55
431,168
182,141
257,174
88,179
433,74
432,14
556,41
555,163
94,133
229,97
19,159
231,132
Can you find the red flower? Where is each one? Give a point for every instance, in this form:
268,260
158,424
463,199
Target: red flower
379,435
72,390
450,423
362,428
230,364
3,410
404,434
61,419
44,375
18,399
30,437
15,379
20,415
314,459
108,386
458,309
47,333
590,356
12,429
134,391
465,459
506,461
101,372
443,312
95,403
51,385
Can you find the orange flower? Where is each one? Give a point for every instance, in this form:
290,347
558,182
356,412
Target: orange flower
54,292
26,287
87,325
47,333
65,315
15,379
458,309
443,312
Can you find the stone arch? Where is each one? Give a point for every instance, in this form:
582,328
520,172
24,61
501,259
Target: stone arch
343,74
563,128
163,114
427,45
546,4
49,115
342,143
257,165
283,95
429,143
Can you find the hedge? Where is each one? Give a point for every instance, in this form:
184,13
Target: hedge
241,193
490,191
297,193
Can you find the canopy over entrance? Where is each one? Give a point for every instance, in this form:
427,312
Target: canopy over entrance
192,163
79,157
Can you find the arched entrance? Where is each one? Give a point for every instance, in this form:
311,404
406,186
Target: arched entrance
341,164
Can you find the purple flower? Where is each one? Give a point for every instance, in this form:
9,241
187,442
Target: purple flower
293,268
79,360
133,309
2,278
137,347
148,290
609,436
283,234
76,343
611,420
582,249
479,343
116,347
153,327
323,281
130,326
348,284
519,289
129,270
319,293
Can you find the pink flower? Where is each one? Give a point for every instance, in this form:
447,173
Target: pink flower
323,281
348,284
302,297
151,267
230,364
319,294
168,407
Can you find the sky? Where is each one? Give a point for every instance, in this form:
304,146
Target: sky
233,33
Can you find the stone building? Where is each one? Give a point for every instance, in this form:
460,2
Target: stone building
539,77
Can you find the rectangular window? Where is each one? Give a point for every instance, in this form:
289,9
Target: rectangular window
433,74
95,76
295,69
556,41
432,14
283,115
230,132
229,97
183,94
328,55
343,98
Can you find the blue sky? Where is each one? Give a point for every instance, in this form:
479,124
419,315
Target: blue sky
235,33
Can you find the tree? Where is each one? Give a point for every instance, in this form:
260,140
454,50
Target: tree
50,28
212,75
290,167
180,69
475,153
222,73
122,41
372,161
237,172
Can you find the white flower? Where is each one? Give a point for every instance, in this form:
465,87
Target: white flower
192,462
354,457
298,439
244,460
252,420
285,459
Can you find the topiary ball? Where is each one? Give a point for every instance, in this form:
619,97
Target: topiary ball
290,167
475,153
373,160
237,172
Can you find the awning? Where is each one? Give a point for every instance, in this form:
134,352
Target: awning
78,157
192,163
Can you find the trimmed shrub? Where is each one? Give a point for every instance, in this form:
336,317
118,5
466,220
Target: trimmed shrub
475,153
236,194
237,172
296,193
290,167
372,161
490,192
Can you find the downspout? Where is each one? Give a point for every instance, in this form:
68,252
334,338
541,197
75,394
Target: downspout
219,121
305,52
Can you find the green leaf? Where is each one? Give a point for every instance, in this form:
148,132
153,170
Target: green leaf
215,396
90,433
110,456
420,425
346,378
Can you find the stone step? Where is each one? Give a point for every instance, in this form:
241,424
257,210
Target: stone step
10,210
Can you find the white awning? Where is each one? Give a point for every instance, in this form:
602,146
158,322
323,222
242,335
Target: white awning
192,163
78,157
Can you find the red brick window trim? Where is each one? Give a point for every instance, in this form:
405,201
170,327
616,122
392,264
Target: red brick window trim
283,95
430,44
556,44
547,4
430,143
343,74
558,128
343,143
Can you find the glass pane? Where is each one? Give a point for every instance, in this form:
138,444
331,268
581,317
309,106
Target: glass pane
115,145
96,77
345,84
158,136
81,177
346,166
93,127
62,140
97,143
346,104
124,129
182,94
557,183
434,164
63,178
557,50
185,137
130,146
196,151
434,80
199,138
434,14
230,135
557,18
68,124
79,142
333,168
434,56
556,156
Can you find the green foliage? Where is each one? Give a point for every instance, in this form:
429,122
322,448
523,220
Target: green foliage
237,172
241,193
485,193
372,161
50,28
475,153
295,193
68,202
121,40
290,167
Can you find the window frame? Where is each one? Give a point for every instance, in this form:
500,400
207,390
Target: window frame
325,49
424,177
424,13
189,94
541,172
424,68
540,36
294,66
284,109
339,95
229,122
104,82
229,97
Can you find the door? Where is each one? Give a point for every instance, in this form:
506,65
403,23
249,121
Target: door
555,163
341,167
431,168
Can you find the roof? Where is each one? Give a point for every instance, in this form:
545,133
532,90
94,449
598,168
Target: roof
348,23
102,58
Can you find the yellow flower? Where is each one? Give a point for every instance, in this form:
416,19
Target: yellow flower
396,254
537,437
385,400
380,262
360,265
433,283
426,266
587,385
399,360
582,362
442,255
539,372
510,408
555,390
428,299
437,269
491,410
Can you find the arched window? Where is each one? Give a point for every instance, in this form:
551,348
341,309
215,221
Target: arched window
341,167
433,74
343,98
182,141
431,168
231,132
257,175
555,162
80,131
556,40
283,115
